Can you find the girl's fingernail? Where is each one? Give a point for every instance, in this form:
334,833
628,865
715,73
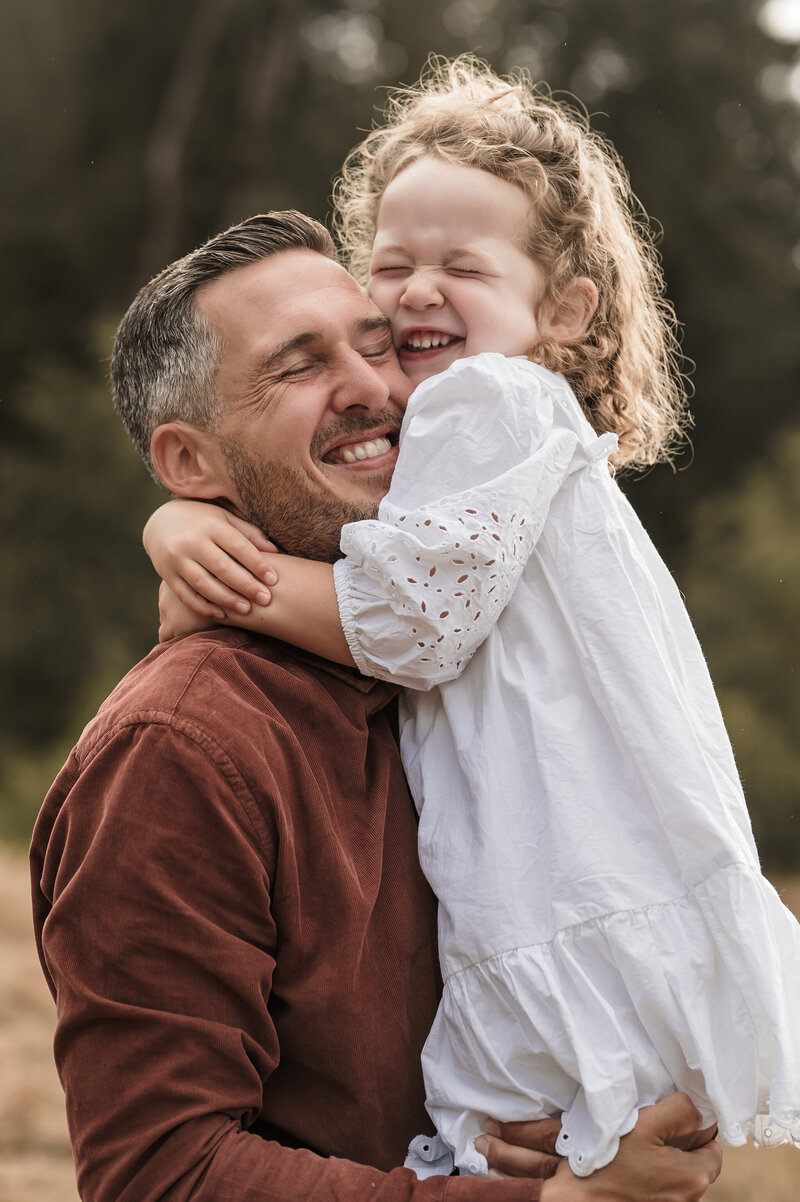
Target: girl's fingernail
242,607
270,577
491,1127
219,614
482,1145
262,598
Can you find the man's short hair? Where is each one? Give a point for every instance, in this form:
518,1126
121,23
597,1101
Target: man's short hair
166,353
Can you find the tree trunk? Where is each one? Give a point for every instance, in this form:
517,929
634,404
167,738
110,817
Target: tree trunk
164,156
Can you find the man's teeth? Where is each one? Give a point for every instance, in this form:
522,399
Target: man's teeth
365,450
424,342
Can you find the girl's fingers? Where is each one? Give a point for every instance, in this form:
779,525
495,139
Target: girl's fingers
194,601
228,590
252,533
235,559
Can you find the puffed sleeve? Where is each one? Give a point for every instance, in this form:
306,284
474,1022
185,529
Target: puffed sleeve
481,458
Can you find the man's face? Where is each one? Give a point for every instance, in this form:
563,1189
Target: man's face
313,398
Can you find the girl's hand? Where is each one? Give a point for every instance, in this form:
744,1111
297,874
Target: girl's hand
211,559
175,617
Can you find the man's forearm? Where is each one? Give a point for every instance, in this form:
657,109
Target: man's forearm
245,1168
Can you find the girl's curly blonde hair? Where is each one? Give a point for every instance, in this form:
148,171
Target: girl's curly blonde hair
584,221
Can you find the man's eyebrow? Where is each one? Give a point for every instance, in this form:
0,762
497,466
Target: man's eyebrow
282,350
368,325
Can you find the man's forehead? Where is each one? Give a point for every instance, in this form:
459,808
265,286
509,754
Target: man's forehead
291,286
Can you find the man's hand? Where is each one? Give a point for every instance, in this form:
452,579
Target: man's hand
520,1149
651,1164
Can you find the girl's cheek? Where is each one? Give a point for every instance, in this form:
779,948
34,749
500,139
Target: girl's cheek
374,291
383,295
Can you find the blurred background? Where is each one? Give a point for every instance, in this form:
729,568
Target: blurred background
131,132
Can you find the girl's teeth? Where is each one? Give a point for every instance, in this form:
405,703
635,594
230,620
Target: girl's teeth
424,342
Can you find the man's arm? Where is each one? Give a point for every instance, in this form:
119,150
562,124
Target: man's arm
165,1042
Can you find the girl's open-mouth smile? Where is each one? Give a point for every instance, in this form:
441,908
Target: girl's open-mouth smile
423,344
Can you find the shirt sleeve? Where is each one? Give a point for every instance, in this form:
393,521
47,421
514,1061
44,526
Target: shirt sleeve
481,458
164,1043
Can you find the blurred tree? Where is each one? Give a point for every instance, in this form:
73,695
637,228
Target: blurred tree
742,583
131,133
75,583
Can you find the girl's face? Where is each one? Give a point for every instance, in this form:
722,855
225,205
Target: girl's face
450,269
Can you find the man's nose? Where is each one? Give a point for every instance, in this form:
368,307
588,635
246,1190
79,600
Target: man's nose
358,385
422,291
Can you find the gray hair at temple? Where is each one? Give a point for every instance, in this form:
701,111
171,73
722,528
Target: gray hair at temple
166,353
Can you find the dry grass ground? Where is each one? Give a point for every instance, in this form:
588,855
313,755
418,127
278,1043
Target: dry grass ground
35,1161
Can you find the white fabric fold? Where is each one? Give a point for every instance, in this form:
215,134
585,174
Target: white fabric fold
614,1013
605,932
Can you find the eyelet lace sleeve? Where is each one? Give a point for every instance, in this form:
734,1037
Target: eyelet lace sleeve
480,460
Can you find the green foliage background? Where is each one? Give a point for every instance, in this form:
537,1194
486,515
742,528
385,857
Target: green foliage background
129,133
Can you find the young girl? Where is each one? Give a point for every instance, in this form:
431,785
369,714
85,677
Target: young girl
605,933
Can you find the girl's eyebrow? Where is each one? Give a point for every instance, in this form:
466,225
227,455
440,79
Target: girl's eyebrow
466,252
457,252
392,250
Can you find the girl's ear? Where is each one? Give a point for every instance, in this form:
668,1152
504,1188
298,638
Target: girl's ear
570,315
188,462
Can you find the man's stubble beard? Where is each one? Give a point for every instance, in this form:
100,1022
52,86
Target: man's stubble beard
296,514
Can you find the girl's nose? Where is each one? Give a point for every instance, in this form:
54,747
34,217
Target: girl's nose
422,291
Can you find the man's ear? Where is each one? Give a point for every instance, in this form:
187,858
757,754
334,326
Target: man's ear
188,461
568,317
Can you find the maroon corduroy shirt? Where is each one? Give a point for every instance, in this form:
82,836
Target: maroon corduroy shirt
232,919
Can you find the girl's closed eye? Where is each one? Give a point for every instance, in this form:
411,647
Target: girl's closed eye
395,270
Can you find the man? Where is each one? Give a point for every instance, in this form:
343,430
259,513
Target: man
227,901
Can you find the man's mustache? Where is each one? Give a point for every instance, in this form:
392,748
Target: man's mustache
353,423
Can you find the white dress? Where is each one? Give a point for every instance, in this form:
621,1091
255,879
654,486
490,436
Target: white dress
606,935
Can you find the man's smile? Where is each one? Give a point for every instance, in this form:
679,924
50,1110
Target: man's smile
362,449
356,451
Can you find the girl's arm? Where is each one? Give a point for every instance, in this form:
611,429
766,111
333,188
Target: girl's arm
482,457
302,611
304,614
215,566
